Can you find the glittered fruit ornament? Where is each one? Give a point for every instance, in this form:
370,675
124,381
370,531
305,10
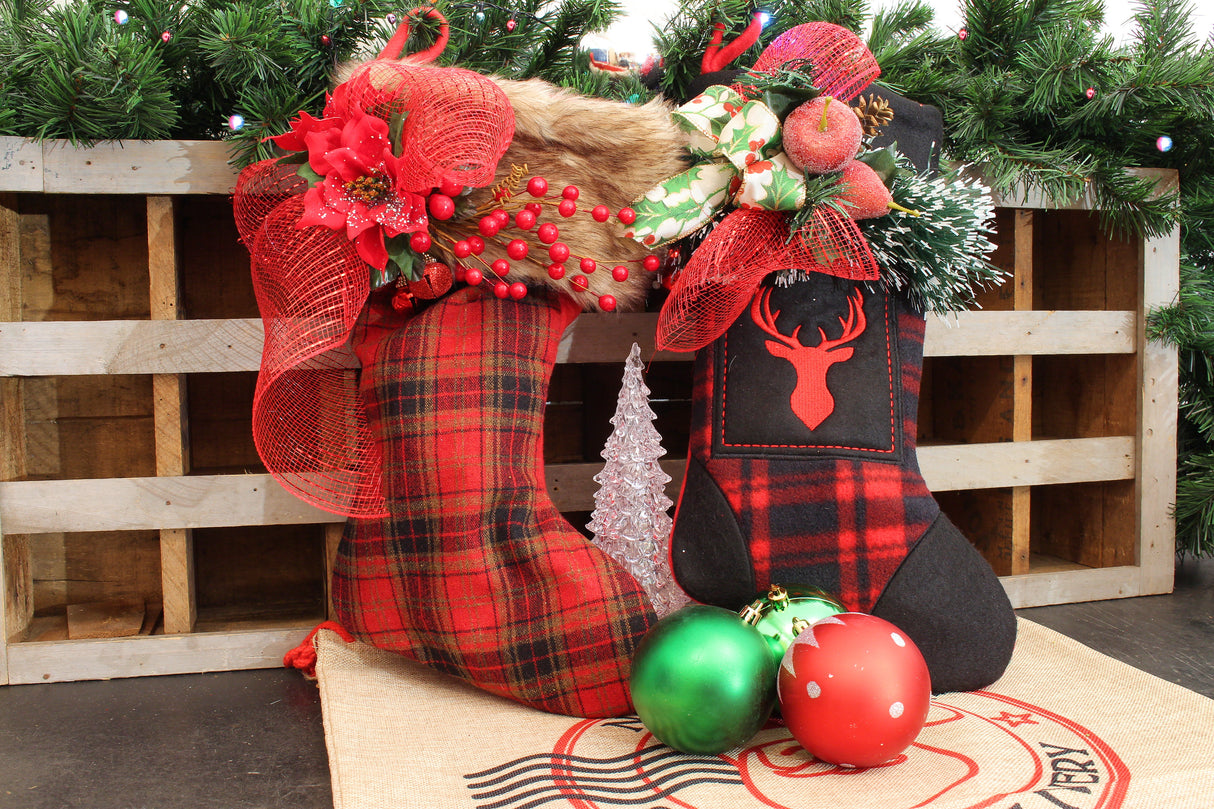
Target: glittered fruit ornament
702,680
863,194
854,690
783,612
822,135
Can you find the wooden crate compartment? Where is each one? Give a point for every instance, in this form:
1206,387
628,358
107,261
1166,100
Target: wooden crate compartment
129,345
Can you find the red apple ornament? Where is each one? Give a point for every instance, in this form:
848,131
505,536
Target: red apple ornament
854,690
821,135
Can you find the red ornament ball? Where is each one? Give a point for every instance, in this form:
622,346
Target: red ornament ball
962,34
588,265
441,206
567,208
607,303
473,276
420,242
556,271
558,252
548,233
518,290
461,249
1090,93
627,216
165,36
524,219
854,690
571,192
326,40
501,266
517,249
537,186
510,24
619,272
651,263
600,213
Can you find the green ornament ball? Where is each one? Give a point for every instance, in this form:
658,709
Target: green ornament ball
702,680
784,610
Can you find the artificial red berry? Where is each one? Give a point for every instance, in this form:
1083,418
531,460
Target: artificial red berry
518,290
517,249
525,219
651,263
420,241
502,217
477,244
619,272
588,265
461,273
501,266
556,271
537,186
488,226
558,252
326,40
627,216
461,249
606,302
601,213
548,233
567,208
570,192
501,289
441,206
535,208
580,281
450,187
473,276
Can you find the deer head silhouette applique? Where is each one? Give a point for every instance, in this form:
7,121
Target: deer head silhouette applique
811,400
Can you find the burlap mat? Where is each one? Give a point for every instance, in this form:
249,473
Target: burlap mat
1065,728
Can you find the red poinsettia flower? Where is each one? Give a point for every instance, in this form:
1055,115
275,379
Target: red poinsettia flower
301,127
360,191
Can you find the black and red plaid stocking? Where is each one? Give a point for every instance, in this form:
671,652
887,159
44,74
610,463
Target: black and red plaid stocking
474,571
802,469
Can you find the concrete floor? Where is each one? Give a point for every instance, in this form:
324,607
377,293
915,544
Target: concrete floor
254,740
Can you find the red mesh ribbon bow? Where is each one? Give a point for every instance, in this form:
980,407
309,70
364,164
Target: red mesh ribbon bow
390,134
719,280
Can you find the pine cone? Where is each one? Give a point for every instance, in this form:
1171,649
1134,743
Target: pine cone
873,113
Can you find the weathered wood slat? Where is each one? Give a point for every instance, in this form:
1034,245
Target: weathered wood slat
123,167
103,659
206,501
70,348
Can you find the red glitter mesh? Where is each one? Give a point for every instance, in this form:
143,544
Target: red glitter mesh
719,281
311,284
842,64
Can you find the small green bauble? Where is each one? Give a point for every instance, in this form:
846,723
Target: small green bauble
784,611
702,680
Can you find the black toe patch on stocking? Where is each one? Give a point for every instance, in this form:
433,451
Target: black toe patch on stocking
708,552
947,598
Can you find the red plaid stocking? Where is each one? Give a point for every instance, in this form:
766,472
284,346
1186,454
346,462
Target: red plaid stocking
802,469
474,571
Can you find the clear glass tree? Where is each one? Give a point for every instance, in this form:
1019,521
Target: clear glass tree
631,520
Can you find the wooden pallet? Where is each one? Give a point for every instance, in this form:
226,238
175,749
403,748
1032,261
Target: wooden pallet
129,344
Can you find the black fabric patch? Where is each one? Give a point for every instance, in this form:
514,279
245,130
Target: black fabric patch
708,553
782,389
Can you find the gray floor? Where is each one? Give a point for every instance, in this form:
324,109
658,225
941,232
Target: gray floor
253,739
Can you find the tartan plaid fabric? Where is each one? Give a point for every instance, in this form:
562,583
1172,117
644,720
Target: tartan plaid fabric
840,514
474,572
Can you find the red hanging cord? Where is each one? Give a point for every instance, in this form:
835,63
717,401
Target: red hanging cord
718,57
397,43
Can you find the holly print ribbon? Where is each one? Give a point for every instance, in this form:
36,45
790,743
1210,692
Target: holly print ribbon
744,165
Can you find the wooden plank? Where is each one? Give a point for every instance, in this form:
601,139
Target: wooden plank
218,346
1021,197
1026,463
1020,504
1156,435
20,164
333,534
145,167
116,618
141,656
1036,589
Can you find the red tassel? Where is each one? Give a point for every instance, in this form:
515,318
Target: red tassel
303,656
